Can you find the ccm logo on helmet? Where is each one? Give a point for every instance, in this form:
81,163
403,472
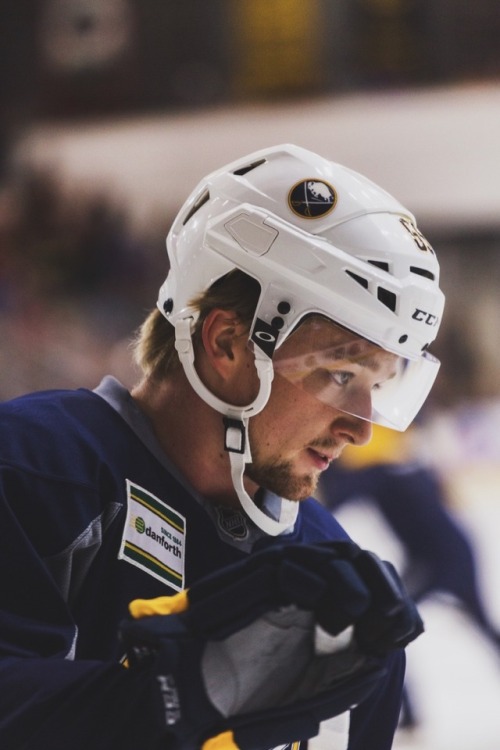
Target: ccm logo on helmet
425,317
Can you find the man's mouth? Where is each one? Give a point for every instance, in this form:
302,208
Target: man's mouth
321,460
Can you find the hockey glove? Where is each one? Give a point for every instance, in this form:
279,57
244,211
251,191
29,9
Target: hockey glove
258,654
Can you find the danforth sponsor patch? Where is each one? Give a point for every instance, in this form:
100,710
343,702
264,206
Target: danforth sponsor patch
154,537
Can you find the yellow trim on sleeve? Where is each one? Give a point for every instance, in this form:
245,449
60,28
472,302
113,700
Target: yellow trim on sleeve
162,605
223,741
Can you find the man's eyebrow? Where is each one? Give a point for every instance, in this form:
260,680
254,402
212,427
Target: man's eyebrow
376,364
372,362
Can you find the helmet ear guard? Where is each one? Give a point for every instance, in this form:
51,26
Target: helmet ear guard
319,239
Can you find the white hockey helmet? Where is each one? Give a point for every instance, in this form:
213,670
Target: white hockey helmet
319,238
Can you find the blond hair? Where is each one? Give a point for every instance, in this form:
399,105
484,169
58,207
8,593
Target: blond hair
154,344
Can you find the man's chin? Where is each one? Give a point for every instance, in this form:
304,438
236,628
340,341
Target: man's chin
281,480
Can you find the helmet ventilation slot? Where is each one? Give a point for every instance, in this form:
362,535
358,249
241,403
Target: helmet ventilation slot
199,202
387,298
423,272
248,168
361,281
380,264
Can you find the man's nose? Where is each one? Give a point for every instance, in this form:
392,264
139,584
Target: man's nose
351,429
359,408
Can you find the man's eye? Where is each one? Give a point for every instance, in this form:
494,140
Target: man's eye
340,377
321,379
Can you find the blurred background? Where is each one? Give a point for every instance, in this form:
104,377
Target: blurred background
112,110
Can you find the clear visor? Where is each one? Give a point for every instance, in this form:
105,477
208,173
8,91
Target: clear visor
350,374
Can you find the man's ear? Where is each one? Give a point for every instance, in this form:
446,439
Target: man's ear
224,338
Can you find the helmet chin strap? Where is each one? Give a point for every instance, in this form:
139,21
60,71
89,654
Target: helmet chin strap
272,527
235,419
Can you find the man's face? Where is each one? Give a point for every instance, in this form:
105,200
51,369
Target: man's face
320,401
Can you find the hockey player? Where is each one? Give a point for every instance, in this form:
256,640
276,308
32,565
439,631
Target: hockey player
167,580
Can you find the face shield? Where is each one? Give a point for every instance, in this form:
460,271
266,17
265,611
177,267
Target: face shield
352,375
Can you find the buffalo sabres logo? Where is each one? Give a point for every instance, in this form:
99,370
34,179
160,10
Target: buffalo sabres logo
312,199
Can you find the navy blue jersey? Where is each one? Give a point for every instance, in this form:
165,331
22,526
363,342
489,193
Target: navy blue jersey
92,516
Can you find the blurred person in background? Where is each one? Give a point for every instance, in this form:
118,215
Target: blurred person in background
438,557
299,307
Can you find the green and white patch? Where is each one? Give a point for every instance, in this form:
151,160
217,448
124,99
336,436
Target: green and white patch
154,537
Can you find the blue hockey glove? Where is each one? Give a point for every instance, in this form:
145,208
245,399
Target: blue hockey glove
259,653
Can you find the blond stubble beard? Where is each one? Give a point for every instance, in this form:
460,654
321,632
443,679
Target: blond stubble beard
279,478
